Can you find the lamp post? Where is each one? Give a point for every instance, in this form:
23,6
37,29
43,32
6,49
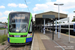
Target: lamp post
58,19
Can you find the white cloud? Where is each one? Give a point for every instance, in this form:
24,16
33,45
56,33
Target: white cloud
7,12
71,16
33,15
2,6
12,5
18,5
49,6
45,7
64,1
3,19
39,7
23,6
1,14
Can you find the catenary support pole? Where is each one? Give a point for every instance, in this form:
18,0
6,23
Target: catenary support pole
59,23
59,31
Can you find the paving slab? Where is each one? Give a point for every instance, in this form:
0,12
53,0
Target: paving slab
37,43
43,42
64,40
50,45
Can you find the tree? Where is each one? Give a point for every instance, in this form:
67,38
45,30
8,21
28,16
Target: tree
0,22
6,23
73,20
63,22
57,22
60,22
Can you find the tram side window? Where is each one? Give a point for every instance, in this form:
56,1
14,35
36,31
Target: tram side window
30,29
74,26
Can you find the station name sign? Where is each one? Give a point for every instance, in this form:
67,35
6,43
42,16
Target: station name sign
49,16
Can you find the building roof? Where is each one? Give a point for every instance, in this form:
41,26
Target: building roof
62,15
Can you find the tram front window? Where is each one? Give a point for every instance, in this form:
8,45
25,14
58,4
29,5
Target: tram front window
18,22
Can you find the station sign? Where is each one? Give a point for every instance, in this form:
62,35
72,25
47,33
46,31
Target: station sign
49,16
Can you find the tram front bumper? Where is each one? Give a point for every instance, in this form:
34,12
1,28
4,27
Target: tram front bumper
19,40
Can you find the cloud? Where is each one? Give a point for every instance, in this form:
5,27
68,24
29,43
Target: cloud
39,7
71,16
2,6
18,5
1,14
12,5
3,19
63,1
49,6
45,7
33,15
23,6
7,12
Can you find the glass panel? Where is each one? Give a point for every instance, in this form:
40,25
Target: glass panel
74,26
18,22
30,30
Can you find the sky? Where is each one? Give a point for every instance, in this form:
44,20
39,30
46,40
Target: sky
35,7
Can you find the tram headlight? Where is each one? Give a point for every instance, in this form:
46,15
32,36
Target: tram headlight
29,35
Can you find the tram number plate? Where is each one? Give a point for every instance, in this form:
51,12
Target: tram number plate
17,35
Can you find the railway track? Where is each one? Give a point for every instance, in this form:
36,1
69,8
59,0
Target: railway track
24,47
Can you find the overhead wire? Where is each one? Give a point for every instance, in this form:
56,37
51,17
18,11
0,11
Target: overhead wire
27,5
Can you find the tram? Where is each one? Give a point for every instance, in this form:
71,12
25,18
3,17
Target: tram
20,28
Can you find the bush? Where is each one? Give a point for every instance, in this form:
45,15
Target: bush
3,38
2,28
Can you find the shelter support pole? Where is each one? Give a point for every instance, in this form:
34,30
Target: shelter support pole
56,27
69,29
53,31
44,27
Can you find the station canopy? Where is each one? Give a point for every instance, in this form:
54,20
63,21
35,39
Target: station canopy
40,20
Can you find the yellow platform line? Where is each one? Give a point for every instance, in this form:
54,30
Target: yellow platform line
41,45
37,43
68,35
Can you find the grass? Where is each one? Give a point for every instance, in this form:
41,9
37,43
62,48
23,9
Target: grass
3,38
2,28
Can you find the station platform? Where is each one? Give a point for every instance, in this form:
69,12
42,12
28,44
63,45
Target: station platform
44,42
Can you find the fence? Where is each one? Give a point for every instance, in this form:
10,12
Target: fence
2,32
